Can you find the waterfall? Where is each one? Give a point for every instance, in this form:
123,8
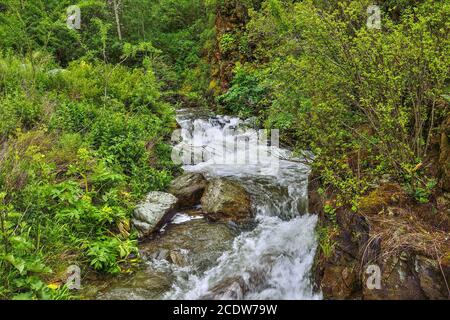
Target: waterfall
270,259
273,260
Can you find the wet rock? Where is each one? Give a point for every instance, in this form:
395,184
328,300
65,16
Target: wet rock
197,242
403,276
431,278
353,234
232,289
177,258
226,200
188,188
229,289
315,199
150,215
235,288
337,275
160,254
194,212
144,284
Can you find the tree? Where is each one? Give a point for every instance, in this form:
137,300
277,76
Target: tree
117,4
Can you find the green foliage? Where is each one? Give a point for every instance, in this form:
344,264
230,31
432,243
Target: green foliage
80,147
326,242
41,24
330,211
227,43
85,118
18,111
365,102
421,191
106,253
246,94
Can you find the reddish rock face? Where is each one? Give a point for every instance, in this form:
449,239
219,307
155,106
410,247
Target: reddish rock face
404,274
231,19
444,156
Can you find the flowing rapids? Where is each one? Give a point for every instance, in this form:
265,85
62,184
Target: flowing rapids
269,259
273,260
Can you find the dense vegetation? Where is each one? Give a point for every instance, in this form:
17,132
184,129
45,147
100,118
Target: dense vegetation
85,115
85,121
371,104
367,102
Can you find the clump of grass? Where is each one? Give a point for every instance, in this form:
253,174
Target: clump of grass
326,241
398,234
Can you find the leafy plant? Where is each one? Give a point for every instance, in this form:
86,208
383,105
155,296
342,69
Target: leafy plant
245,95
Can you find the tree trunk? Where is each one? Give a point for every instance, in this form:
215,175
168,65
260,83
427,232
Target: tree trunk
116,5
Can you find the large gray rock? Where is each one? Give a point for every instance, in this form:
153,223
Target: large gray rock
150,215
197,243
188,188
226,200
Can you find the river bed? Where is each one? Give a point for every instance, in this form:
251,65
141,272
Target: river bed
193,258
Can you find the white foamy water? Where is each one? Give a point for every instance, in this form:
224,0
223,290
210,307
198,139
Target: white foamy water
273,260
180,218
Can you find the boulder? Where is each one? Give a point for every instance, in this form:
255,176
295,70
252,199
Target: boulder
406,274
188,188
432,278
177,258
226,200
237,287
150,215
398,280
197,243
340,281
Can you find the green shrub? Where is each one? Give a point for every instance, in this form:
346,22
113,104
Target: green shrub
227,43
366,102
245,95
80,153
18,111
74,116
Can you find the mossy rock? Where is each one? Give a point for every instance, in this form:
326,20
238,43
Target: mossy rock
382,197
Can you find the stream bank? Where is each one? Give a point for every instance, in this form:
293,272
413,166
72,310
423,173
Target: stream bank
407,241
240,230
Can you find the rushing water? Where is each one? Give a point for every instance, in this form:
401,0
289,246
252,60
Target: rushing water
271,259
274,260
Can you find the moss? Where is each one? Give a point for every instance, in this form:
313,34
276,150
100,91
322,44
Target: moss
382,197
